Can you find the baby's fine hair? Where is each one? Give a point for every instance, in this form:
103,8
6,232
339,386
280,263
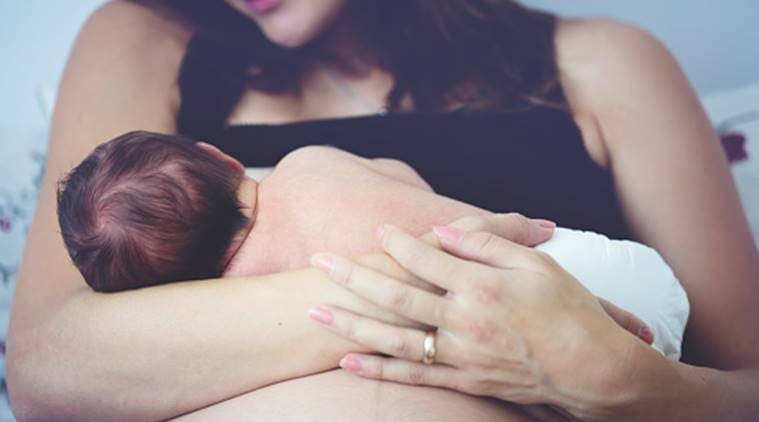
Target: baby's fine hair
145,209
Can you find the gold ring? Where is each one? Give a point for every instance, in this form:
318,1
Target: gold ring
430,349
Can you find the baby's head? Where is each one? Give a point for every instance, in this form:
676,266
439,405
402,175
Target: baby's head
146,209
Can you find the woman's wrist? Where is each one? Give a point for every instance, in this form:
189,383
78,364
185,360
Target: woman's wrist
708,394
607,375
632,381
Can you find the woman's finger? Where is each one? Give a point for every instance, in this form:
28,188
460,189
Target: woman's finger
427,262
386,292
485,248
628,321
403,371
512,226
399,342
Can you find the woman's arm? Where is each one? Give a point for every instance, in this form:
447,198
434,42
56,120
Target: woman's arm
157,352
640,116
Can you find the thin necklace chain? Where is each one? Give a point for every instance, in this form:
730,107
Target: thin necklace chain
349,93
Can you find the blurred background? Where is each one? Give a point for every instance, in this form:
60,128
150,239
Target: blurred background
716,42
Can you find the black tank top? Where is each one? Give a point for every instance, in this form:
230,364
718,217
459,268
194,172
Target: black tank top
531,161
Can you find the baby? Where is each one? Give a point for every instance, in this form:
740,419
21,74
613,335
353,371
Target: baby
147,209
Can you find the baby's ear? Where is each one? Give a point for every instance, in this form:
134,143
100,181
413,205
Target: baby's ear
221,155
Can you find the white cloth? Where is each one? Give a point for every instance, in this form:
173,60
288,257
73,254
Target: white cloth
629,275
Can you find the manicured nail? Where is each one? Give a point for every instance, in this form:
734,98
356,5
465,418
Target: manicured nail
323,262
546,224
321,315
380,233
350,363
645,334
448,234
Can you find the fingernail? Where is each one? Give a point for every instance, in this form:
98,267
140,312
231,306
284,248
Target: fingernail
645,334
380,231
323,262
321,315
350,363
545,224
448,234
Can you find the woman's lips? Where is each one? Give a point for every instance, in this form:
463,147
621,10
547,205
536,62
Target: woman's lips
262,6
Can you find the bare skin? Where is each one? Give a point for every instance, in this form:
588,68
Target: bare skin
639,118
339,396
321,198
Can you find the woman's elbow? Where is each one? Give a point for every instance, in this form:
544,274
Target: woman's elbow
27,385
39,378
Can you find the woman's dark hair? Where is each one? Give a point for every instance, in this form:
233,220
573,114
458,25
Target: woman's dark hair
146,209
444,54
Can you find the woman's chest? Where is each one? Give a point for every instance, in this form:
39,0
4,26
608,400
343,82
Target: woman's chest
321,94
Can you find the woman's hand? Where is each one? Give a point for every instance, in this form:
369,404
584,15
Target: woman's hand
512,226
513,325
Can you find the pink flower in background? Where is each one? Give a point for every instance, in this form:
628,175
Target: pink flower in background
734,144
734,141
5,225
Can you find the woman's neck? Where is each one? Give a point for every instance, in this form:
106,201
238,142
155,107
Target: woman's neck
344,45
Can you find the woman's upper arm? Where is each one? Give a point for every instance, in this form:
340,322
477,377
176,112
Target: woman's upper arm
672,178
120,77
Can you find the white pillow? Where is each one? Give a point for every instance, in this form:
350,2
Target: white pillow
629,275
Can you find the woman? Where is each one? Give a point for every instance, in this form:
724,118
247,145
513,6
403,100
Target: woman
175,349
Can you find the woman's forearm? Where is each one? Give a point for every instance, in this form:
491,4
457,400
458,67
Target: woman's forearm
160,352
646,386
722,395
708,395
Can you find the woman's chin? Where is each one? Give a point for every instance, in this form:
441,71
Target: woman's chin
289,43
287,37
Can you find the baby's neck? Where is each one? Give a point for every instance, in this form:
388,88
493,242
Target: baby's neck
262,240
247,196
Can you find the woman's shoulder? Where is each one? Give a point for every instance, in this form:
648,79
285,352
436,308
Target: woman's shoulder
142,40
582,44
121,75
604,63
129,51
138,19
